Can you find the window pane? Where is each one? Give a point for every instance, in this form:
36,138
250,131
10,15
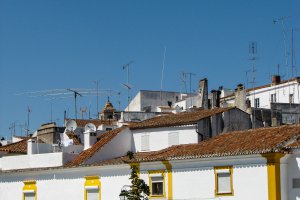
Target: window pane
157,188
29,196
92,194
224,183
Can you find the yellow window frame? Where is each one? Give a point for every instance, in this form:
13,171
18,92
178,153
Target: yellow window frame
216,180
91,181
162,172
29,185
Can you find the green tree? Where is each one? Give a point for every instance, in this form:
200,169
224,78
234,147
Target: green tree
139,190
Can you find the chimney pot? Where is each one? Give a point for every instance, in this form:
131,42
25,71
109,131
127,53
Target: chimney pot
276,79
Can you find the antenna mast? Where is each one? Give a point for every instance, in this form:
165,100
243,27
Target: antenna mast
28,114
253,58
75,100
162,75
127,85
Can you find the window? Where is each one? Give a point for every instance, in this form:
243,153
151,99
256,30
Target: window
223,181
145,146
296,182
29,196
108,129
173,138
92,188
291,98
29,190
157,183
256,102
273,98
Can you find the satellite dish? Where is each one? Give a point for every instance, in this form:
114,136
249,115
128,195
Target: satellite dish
71,125
90,127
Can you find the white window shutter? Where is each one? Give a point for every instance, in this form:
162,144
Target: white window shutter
29,196
224,183
92,194
145,146
173,138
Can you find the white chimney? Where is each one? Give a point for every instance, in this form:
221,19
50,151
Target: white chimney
30,147
89,139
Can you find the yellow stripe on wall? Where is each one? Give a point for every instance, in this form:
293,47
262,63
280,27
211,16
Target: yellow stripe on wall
170,179
273,168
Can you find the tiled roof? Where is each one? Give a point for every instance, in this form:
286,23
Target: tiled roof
74,137
16,147
255,141
184,118
294,145
96,122
103,139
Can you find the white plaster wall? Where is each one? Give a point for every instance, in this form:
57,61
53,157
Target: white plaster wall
35,161
192,179
11,190
158,137
196,180
135,103
293,171
282,94
117,147
60,189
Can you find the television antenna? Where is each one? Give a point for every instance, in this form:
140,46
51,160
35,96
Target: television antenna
83,110
253,58
56,94
281,20
127,85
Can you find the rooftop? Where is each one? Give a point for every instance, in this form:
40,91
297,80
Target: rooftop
179,119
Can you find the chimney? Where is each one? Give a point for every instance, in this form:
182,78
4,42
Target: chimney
215,101
240,97
89,138
203,94
276,79
30,148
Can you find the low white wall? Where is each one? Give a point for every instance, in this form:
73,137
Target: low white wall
35,160
72,149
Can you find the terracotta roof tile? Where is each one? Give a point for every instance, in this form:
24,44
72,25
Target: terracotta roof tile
294,145
74,137
184,118
16,147
257,141
104,138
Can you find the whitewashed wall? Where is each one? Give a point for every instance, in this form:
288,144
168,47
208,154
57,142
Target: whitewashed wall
117,147
158,137
35,160
282,94
293,169
192,179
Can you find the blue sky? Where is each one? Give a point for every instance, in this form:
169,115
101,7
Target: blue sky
70,44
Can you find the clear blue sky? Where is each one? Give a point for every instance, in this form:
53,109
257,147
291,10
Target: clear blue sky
69,44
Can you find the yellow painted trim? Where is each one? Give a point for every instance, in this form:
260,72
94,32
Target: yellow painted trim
92,181
216,181
30,185
138,167
273,168
170,179
162,172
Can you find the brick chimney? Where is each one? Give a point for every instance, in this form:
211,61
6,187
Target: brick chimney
276,79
